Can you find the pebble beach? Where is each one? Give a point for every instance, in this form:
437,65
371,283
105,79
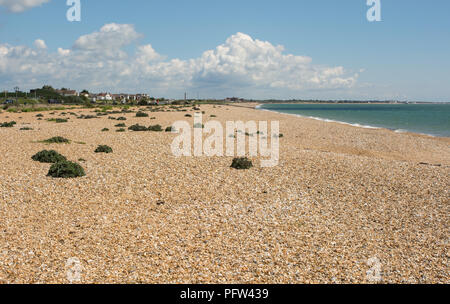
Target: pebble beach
344,205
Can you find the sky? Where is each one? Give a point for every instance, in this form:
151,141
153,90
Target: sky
299,49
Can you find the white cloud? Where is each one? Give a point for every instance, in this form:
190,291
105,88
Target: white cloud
40,44
18,6
111,35
241,66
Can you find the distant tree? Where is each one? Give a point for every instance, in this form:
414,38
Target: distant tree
85,92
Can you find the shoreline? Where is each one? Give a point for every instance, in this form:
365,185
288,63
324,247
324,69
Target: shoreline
357,125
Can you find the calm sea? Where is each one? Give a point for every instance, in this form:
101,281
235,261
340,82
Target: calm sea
432,119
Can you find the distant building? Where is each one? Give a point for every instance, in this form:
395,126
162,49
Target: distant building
67,93
104,97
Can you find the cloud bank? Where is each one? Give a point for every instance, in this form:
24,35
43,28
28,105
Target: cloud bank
98,61
18,6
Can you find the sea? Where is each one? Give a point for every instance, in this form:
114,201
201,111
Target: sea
430,119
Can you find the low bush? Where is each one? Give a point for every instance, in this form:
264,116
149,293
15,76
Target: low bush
7,124
66,169
138,128
188,115
46,156
26,129
57,120
105,130
87,117
57,140
141,114
103,149
120,130
241,163
121,125
155,128
169,129
121,118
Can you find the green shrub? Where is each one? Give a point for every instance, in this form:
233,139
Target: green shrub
105,130
39,115
57,140
169,129
241,163
103,149
121,125
58,120
46,156
7,124
120,130
155,128
188,115
26,129
66,169
213,116
138,128
87,117
141,114
122,118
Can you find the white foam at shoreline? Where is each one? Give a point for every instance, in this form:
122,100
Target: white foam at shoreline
321,119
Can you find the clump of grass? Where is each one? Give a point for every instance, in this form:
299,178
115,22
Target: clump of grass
87,117
39,115
120,130
241,163
66,169
279,135
138,128
26,129
121,125
103,149
105,130
121,118
188,115
155,128
57,140
50,157
212,116
8,124
169,129
57,120
141,114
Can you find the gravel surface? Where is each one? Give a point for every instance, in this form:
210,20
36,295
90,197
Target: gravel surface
345,205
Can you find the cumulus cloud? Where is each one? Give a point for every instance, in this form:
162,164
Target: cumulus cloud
18,6
40,44
111,35
241,65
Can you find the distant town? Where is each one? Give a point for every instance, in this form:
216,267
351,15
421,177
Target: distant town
49,95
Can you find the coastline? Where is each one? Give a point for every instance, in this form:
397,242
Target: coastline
259,107
339,197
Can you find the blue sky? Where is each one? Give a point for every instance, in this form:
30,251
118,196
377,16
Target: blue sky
403,57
